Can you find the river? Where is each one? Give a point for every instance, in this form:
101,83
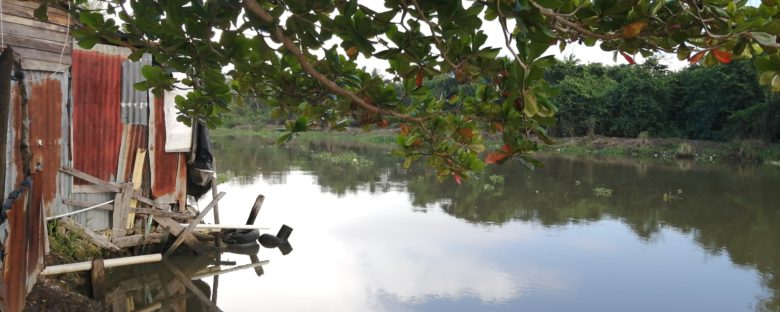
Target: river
574,235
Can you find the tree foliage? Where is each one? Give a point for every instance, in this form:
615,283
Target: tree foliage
282,51
711,103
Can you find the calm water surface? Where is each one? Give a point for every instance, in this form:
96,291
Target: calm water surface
370,236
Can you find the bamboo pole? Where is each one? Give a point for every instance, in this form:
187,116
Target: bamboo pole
108,263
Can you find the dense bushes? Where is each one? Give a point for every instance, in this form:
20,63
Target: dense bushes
715,103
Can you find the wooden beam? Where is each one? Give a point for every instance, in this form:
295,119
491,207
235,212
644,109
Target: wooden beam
137,179
194,223
170,214
113,187
153,203
97,239
139,239
174,228
121,208
85,203
18,9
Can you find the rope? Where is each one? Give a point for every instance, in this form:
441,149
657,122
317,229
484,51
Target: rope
12,197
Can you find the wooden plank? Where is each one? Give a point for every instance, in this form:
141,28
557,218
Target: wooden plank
137,179
90,189
30,64
85,203
170,214
33,32
139,239
18,8
97,239
121,208
174,228
46,56
193,223
32,4
33,23
6,67
39,44
139,197
113,187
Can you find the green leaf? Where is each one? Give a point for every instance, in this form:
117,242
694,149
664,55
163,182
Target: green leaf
765,39
40,12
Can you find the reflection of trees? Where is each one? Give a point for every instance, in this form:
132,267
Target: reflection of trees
724,210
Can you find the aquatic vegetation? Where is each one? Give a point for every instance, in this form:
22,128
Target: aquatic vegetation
669,196
684,151
602,192
344,158
496,179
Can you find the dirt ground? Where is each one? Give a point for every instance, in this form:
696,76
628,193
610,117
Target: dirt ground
54,295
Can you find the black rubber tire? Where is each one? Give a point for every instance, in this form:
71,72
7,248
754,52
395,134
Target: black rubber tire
237,237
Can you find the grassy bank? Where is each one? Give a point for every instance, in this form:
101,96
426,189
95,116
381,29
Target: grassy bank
746,151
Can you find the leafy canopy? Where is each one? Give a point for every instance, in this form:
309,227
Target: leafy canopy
282,52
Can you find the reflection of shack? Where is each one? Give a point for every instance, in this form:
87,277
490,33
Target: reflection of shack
175,285
78,135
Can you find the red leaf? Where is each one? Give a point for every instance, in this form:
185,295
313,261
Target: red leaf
499,156
466,132
506,148
722,56
457,178
404,129
696,57
418,80
628,58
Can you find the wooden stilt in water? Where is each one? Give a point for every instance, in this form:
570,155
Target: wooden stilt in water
255,209
98,279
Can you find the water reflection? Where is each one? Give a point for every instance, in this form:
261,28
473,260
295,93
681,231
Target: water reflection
384,238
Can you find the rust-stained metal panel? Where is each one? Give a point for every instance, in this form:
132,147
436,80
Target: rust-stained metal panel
15,264
46,137
97,130
168,169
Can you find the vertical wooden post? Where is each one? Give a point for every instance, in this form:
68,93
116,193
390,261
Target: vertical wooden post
121,209
137,179
98,279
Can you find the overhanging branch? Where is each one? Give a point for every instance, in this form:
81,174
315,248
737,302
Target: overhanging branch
277,32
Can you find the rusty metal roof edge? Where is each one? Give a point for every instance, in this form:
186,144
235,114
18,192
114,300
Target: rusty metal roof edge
106,49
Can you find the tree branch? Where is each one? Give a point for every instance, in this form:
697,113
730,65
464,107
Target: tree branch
577,27
439,44
255,8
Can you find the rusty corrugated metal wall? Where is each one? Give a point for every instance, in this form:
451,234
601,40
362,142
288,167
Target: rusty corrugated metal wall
97,130
169,170
25,243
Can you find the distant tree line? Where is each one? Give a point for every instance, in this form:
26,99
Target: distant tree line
719,103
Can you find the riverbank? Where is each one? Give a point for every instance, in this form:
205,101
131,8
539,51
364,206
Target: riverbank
745,151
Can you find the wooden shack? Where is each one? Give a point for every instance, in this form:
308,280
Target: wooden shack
77,134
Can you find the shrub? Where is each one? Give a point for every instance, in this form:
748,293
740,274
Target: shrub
684,151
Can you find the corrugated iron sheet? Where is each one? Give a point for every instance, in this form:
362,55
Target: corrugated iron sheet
169,170
135,104
26,232
96,91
